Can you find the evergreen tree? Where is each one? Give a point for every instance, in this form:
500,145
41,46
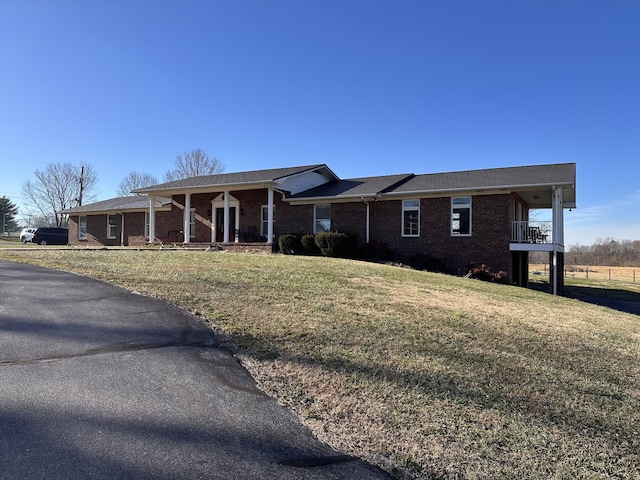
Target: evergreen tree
8,212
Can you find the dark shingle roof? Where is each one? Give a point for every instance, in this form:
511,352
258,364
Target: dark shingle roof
231,179
354,187
135,203
509,177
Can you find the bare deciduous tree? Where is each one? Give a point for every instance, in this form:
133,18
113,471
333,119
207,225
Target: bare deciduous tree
135,180
195,163
60,186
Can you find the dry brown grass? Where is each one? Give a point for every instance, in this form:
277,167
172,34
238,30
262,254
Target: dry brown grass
444,377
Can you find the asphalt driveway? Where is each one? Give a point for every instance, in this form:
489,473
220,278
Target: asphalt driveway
100,383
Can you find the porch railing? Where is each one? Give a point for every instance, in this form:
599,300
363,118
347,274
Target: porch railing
531,231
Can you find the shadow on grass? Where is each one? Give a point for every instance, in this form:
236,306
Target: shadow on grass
618,299
500,385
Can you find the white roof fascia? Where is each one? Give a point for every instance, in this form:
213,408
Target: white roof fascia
338,199
471,190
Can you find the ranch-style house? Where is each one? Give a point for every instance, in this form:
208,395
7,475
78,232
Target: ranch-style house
456,218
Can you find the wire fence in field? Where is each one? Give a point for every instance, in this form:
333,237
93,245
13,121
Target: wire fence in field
593,272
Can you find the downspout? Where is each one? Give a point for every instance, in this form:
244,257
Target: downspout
367,227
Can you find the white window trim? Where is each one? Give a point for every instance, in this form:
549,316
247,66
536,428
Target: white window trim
109,235
315,216
264,221
146,224
192,223
462,205
80,232
410,209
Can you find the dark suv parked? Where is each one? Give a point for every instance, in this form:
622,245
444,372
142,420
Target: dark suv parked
51,236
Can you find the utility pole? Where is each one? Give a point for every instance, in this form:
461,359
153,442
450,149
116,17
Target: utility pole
79,199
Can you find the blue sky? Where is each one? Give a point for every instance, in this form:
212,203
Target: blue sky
369,87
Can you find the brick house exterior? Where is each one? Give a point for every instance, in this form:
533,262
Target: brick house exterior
451,219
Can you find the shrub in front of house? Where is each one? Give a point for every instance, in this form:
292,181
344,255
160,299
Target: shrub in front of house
483,272
289,244
309,246
336,244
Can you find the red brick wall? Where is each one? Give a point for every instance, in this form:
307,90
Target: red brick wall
296,219
350,218
488,243
97,230
134,229
345,217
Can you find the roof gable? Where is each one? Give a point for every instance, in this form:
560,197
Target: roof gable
236,180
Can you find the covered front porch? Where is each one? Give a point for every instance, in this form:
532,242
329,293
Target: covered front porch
216,219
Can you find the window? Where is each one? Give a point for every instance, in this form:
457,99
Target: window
461,216
264,222
82,228
411,218
322,220
112,226
192,223
146,224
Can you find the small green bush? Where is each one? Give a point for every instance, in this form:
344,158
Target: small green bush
309,246
289,244
336,244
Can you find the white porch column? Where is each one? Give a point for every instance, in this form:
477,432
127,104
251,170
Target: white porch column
213,222
557,213
152,218
558,216
236,234
122,230
187,218
270,215
226,218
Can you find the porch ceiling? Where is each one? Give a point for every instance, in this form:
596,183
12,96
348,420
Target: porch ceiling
543,198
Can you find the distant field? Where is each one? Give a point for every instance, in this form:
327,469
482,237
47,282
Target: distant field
592,272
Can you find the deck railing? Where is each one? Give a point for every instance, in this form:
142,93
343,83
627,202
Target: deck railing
531,231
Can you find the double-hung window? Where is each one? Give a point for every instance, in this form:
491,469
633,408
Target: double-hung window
264,220
192,223
411,218
82,228
322,218
461,216
146,224
112,226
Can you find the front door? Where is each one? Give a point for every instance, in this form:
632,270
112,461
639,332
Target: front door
220,224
